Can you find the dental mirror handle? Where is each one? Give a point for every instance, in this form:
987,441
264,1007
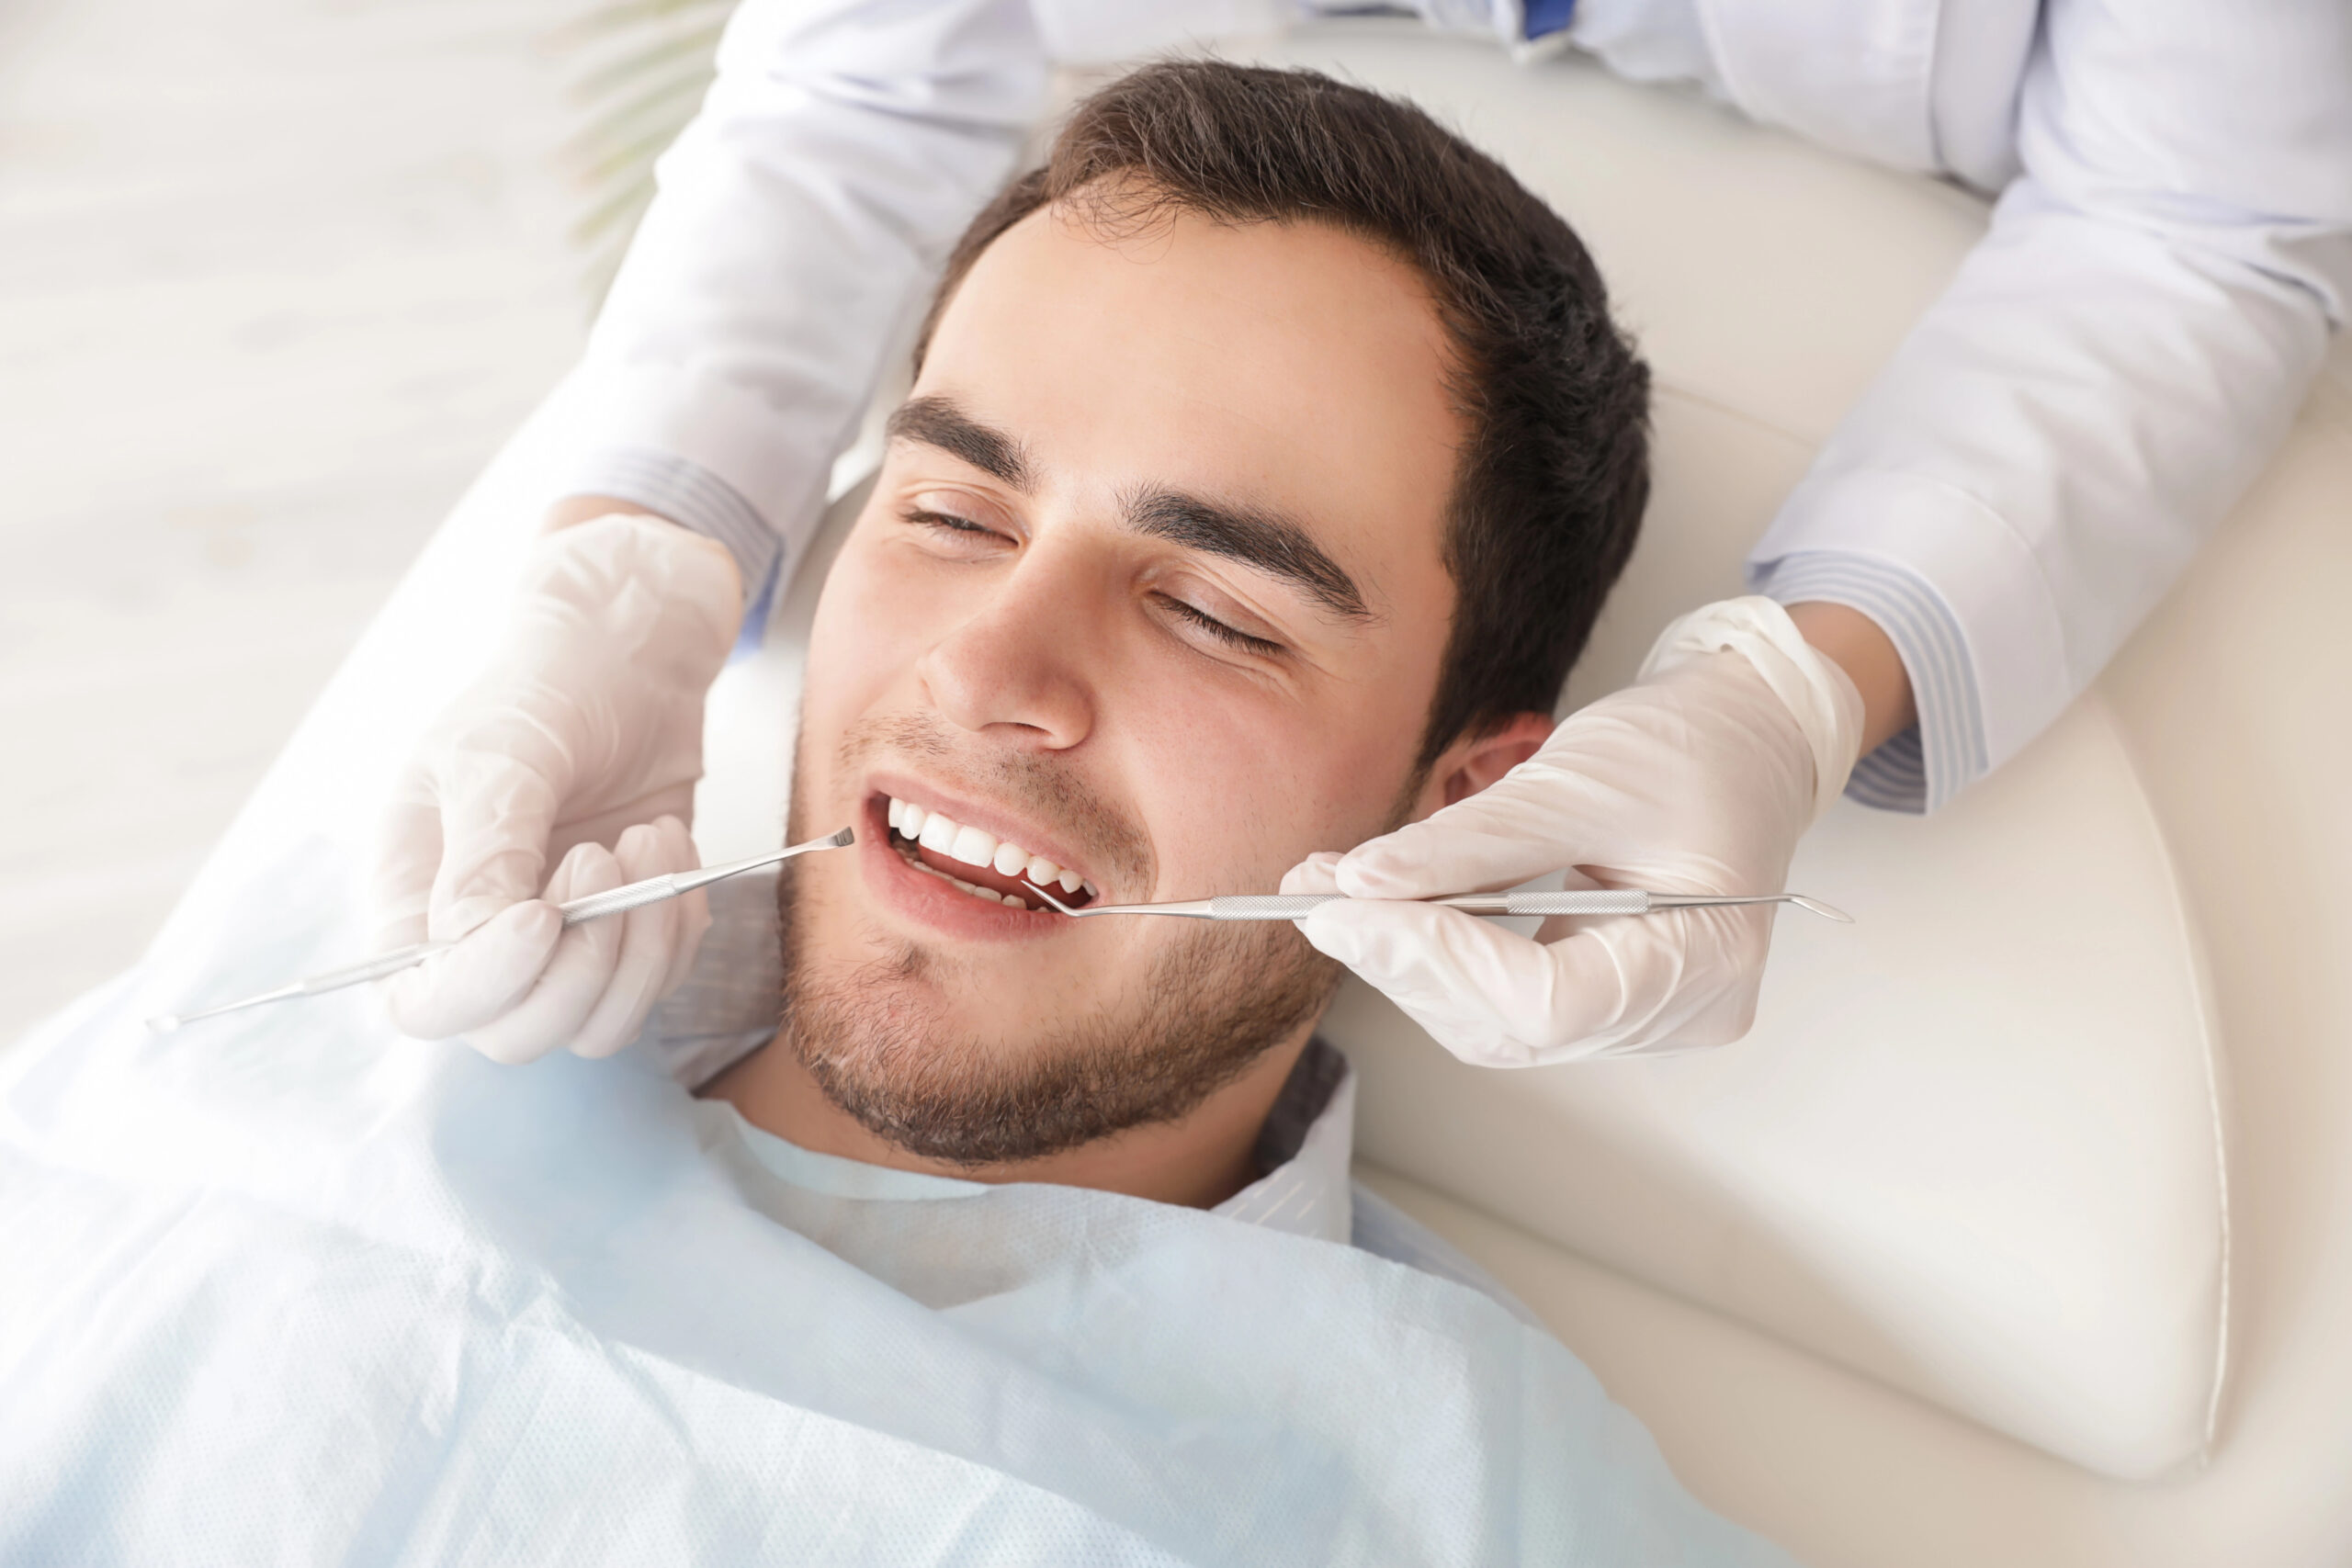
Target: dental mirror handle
594,906
590,907
672,884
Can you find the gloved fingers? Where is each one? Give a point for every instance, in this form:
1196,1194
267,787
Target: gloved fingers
1316,874
400,878
648,935
1495,999
1692,977
498,811
480,978
606,826
1481,992
693,909
551,1013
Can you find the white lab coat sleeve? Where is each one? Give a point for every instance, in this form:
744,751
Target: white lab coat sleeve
844,146
799,222
2108,371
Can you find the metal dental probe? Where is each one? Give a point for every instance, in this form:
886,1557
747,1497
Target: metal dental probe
1597,901
594,906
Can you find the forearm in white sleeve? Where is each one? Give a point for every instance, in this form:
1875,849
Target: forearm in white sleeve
2108,371
843,147
800,220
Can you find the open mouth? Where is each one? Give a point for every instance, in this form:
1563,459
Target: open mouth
993,870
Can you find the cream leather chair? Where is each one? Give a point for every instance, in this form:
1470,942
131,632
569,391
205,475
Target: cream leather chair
2055,1143
2020,1229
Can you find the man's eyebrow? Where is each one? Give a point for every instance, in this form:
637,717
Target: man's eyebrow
1266,540
937,422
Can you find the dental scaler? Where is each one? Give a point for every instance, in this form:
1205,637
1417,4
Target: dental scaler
1596,901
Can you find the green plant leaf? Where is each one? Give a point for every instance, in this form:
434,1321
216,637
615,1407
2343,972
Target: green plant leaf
645,65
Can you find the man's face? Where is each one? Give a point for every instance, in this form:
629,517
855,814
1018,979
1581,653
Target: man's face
1150,587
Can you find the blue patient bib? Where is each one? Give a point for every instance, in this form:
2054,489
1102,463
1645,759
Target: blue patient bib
291,1289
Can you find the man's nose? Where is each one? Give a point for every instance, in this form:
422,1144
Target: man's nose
1015,667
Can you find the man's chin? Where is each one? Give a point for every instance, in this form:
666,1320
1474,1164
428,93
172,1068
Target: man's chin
991,1058
900,1042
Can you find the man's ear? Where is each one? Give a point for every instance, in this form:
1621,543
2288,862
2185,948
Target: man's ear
1470,764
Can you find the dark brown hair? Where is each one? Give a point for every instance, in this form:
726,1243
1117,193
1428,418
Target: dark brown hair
1556,470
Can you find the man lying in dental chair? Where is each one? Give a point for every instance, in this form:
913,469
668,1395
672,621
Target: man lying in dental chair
1271,454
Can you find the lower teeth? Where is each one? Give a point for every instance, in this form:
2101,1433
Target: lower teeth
989,895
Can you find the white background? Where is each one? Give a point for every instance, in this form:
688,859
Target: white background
277,277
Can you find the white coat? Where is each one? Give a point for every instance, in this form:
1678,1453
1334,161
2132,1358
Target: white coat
2171,246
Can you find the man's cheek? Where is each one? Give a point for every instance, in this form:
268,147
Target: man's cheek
855,655
1286,800
1224,805
870,596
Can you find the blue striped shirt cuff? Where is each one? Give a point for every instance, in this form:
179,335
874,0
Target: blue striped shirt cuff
690,495
1541,18
1926,765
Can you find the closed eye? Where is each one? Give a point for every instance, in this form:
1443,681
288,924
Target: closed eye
956,538
1231,637
947,521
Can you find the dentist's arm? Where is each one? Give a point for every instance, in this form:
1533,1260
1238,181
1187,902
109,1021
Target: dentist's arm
2108,371
843,147
840,151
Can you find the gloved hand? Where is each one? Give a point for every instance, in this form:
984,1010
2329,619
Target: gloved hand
1699,778
586,731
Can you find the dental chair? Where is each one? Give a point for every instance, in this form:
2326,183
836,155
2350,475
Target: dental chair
2020,1229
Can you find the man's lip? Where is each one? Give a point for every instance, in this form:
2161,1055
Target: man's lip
970,813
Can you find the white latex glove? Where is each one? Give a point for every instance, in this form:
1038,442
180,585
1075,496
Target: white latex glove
1699,778
585,731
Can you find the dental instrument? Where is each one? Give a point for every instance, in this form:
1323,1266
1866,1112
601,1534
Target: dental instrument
1597,901
593,907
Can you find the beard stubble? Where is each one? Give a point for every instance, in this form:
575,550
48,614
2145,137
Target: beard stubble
873,1038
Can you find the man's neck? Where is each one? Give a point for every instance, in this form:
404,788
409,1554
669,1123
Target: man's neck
1199,1160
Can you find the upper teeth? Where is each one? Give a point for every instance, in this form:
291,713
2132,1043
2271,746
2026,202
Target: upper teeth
957,841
